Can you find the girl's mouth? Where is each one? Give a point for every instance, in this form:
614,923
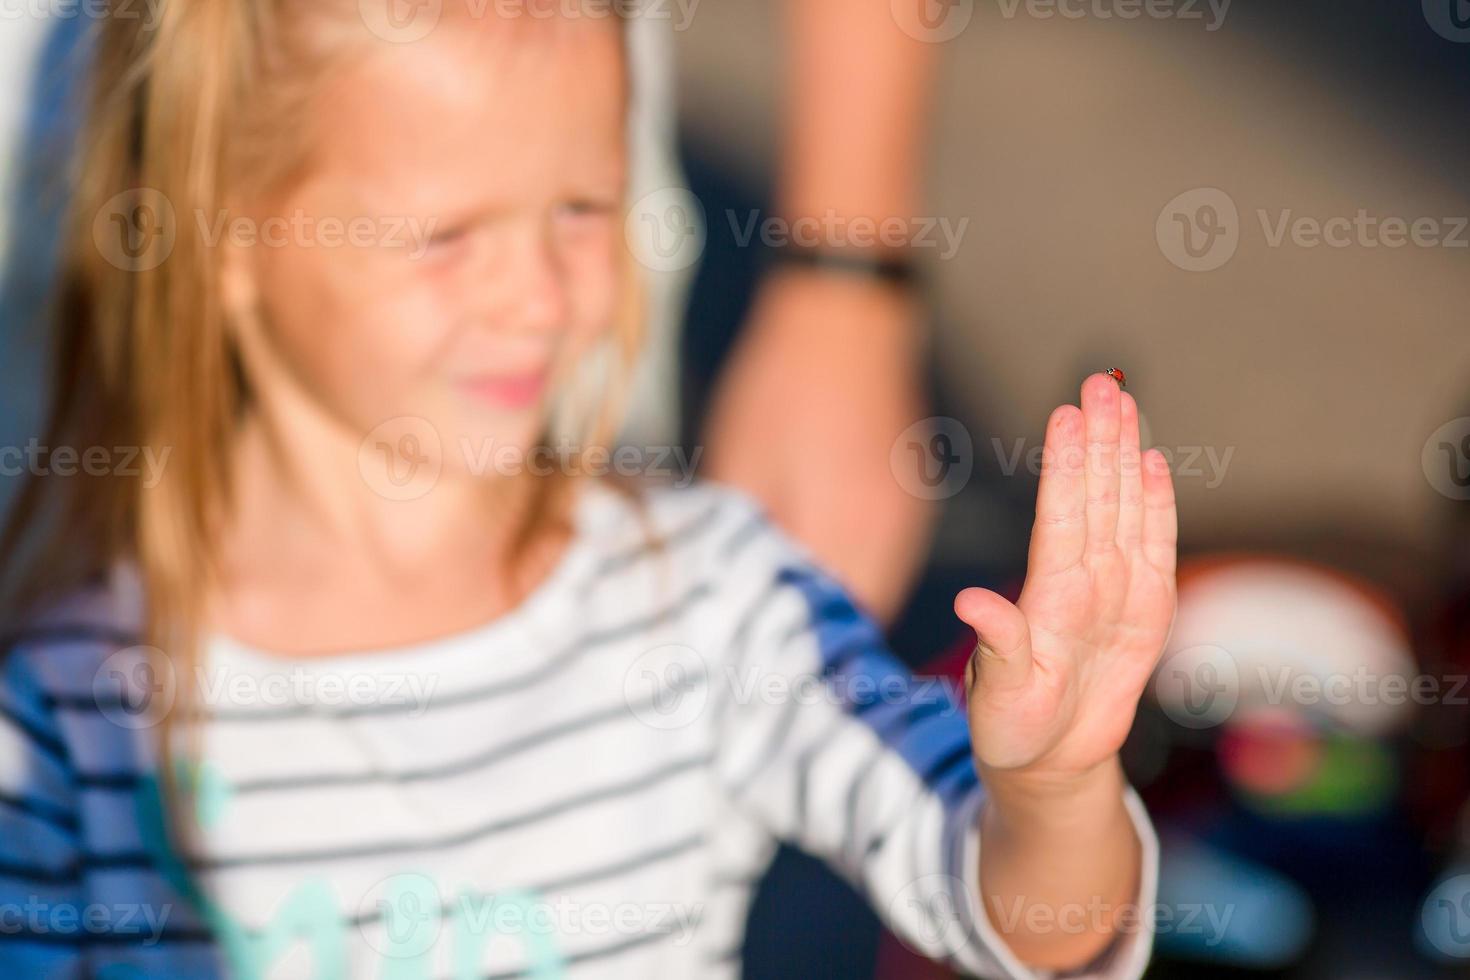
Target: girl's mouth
515,391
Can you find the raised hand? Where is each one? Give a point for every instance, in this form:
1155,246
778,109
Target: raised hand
1056,677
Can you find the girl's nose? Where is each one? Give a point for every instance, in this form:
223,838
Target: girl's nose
533,287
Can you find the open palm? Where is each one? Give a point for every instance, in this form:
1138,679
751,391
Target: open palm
1056,677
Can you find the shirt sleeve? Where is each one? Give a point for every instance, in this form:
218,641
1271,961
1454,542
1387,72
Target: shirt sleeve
41,888
825,739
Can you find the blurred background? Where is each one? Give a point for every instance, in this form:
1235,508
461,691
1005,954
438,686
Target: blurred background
1313,398
1142,193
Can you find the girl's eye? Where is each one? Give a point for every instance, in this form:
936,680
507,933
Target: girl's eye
451,242
586,208
446,237
448,247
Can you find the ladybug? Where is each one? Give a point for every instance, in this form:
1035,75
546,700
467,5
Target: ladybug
1117,375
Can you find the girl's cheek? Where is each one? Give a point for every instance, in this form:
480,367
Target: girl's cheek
388,324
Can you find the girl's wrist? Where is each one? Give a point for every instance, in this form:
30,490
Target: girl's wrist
881,267
1024,802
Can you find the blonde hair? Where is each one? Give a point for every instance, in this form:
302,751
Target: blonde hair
143,357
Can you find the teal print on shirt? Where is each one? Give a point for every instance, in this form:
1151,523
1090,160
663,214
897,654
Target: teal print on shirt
411,913
309,911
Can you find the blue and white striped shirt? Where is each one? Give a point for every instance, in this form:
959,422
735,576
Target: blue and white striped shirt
589,786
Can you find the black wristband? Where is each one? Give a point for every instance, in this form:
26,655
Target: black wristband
885,267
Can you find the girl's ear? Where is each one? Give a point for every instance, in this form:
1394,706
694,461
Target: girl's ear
238,291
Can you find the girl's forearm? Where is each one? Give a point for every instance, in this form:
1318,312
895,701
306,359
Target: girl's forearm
1059,867
859,93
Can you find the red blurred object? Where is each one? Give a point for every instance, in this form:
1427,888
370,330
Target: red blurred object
1272,756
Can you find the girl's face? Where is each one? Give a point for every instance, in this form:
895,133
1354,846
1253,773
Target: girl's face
453,243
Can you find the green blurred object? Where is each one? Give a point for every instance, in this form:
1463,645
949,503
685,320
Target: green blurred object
1356,778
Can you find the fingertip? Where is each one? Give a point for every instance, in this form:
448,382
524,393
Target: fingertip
1065,419
1100,391
1156,463
982,609
964,602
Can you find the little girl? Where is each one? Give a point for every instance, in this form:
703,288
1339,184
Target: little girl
372,679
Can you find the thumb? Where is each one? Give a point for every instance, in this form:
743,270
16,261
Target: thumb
1002,657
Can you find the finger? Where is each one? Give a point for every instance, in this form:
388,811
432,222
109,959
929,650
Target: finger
1101,405
1130,476
1002,657
1060,533
1160,517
